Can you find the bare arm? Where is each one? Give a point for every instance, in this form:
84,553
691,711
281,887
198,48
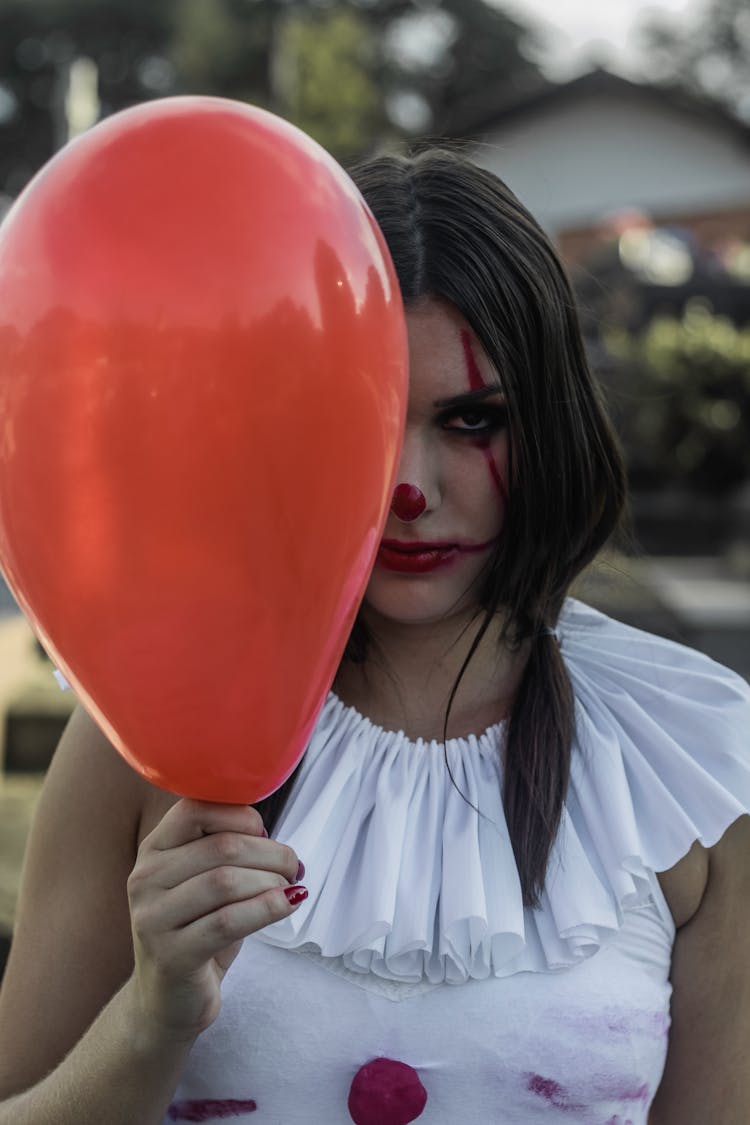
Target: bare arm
203,879
707,1077
116,1073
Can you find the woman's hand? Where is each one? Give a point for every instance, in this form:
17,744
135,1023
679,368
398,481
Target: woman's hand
205,878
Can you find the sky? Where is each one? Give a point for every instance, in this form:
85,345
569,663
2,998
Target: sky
602,28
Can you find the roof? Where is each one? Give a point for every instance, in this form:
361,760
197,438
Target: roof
499,106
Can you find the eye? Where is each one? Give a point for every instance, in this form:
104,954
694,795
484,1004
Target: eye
482,420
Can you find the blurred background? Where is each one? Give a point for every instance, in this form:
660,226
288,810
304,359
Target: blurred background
624,127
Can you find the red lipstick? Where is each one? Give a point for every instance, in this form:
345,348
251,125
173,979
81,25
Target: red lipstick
421,558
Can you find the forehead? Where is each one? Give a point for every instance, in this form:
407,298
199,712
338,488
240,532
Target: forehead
445,357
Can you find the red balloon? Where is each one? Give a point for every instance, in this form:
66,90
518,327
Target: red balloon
203,369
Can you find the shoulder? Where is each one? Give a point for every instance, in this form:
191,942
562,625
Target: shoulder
114,803
105,789
640,675
720,877
87,822
684,884
662,747
706,1077
725,906
583,625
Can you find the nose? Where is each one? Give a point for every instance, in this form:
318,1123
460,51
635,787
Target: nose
416,489
408,502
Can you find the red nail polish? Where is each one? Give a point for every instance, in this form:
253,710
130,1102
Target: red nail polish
300,872
295,895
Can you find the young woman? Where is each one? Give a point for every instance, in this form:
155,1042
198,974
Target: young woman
524,825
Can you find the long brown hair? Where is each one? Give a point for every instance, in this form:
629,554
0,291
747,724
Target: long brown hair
456,232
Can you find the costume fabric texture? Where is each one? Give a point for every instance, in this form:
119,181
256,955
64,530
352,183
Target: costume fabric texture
413,984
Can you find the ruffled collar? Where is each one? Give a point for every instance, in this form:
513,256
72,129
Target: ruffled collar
409,864
487,741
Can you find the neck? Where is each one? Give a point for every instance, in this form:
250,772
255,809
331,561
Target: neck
410,670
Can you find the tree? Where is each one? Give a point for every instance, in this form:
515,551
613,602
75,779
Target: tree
681,392
27,93
39,41
224,47
710,56
353,73
490,50
324,66
452,52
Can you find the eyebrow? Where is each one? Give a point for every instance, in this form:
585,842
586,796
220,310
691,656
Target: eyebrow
469,398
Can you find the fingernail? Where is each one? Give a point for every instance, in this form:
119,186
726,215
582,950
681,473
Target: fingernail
295,895
265,831
300,872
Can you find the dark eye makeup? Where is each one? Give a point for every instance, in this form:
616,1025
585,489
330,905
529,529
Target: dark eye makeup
482,419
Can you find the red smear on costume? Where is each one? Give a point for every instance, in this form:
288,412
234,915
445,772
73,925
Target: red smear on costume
552,1092
208,1109
629,1094
386,1092
545,1087
477,383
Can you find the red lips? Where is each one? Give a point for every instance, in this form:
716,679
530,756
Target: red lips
420,557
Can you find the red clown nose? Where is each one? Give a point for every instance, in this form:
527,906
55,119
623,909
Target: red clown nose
408,502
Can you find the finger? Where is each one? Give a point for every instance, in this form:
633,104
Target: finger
203,895
223,849
191,820
208,936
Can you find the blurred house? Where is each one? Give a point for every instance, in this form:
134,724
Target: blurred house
599,150
646,191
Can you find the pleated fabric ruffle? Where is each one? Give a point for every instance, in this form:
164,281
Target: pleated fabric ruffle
408,881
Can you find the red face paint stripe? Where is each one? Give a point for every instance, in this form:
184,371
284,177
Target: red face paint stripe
495,474
476,382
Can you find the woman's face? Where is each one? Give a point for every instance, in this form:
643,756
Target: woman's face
434,550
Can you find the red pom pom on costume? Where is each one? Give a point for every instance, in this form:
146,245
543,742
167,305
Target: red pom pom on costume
386,1092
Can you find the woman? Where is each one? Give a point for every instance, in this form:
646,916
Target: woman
523,824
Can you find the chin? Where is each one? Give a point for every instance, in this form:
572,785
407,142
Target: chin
414,602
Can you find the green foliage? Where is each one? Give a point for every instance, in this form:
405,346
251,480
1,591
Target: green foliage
329,65
324,70
204,42
682,396
38,41
224,47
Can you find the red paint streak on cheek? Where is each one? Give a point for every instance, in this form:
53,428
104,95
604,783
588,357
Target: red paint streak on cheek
477,383
496,477
483,445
